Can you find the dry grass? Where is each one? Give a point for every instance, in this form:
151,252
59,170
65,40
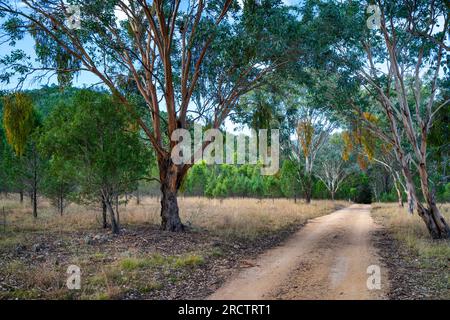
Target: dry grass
416,253
411,230
142,261
247,218
33,280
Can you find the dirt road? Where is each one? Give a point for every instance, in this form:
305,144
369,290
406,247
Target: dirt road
327,259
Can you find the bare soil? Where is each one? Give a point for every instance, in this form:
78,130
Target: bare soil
410,276
327,259
142,262
43,259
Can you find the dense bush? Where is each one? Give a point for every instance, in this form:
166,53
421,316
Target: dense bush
219,181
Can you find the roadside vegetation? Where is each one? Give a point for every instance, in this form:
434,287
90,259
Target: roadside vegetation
90,115
142,262
419,266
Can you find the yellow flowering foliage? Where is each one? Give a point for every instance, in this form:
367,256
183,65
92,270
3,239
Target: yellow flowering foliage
348,145
386,148
305,131
18,120
362,162
368,140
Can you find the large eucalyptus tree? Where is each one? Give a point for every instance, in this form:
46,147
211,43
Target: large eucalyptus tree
391,63
173,53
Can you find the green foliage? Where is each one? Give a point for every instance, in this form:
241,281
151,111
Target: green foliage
389,196
11,167
90,144
61,173
58,182
229,181
195,181
446,193
21,163
91,137
363,191
19,120
222,181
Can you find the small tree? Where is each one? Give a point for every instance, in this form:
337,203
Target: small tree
289,179
369,148
58,182
21,121
103,146
394,70
332,168
313,131
176,55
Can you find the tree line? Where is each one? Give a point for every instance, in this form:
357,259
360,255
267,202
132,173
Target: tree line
78,152
169,64
67,147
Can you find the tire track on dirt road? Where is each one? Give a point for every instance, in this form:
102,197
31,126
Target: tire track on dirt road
326,259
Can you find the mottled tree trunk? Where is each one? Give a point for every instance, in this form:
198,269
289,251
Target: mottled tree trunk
308,196
170,218
114,225
34,199
61,204
436,224
307,186
104,214
430,214
138,197
399,195
21,196
170,177
117,211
